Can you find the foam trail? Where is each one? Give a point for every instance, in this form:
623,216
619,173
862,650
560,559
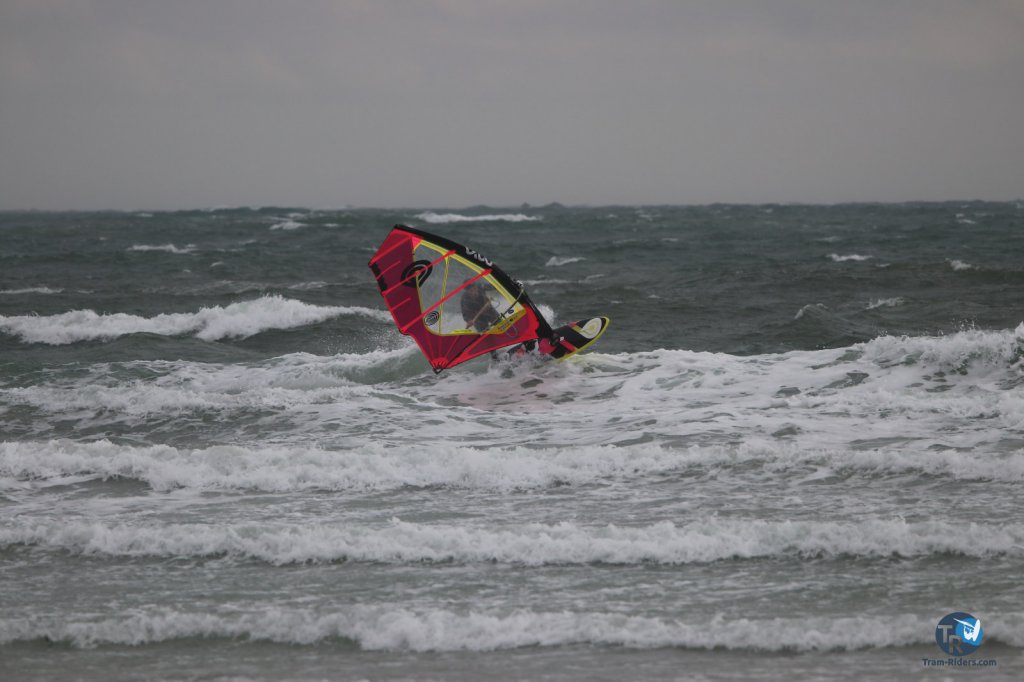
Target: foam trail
238,320
397,628
533,544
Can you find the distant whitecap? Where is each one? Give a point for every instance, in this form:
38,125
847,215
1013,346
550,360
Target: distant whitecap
557,261
851,257
287,225
886,303
167,248
442,218
29,290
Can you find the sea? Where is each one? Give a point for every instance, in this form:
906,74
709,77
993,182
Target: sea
798,447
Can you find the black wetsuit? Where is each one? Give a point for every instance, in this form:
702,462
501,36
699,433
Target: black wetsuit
477,310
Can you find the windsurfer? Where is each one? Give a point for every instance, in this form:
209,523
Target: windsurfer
477,310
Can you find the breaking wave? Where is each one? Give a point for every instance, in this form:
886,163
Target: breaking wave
238,320
378,467
534,544
960,265
396,628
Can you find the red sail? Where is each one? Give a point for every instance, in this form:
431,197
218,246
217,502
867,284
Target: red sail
455,303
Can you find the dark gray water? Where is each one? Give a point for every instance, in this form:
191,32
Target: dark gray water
799,445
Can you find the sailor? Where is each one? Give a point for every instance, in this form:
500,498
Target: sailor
477,310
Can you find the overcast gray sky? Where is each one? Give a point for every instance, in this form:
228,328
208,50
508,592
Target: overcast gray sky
196,103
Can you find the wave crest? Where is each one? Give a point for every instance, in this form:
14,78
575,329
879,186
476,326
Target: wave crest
556,261
29,290
377,468
237,320
396,628
535,544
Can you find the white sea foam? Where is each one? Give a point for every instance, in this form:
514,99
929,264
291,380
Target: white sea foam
893,302
242,319
851,257
309,392
29,290
833,397
373,467
307,286
532,544
287,225
556,261
399,628
441,218
822,403
167,248
959,265
999,350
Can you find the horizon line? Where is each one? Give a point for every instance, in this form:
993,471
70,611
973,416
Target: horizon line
521,206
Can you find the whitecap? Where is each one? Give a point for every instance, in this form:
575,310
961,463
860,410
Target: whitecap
441,218
836,258
307,286
401,627
532,544
893,302
287,225
289,468
810,308
167,248
238,320
557,261
29,290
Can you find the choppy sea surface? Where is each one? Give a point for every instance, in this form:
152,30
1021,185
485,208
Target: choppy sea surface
799,445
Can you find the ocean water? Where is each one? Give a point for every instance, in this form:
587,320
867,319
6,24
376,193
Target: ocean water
799,445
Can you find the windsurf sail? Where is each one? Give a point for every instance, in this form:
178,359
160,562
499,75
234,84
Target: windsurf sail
455,303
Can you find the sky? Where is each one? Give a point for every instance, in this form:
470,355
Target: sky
156,105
